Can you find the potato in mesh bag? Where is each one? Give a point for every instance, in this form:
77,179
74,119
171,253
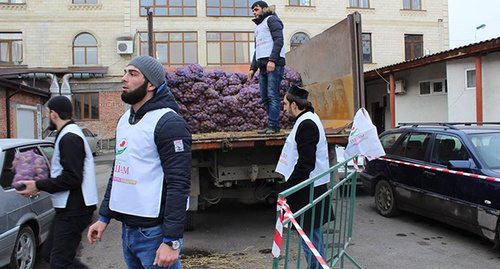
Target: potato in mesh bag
29,166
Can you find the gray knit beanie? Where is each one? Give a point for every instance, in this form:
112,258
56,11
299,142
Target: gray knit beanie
150,68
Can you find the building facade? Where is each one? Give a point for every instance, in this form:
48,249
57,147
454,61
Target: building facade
80,47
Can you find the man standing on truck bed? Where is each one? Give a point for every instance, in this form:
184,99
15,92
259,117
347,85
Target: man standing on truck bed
269,57
305,155
150,182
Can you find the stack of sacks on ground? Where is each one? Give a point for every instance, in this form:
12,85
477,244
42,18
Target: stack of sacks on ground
218,101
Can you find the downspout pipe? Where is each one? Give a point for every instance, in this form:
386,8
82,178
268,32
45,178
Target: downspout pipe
479,89
393,100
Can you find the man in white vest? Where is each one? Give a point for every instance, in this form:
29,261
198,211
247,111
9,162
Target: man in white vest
72,186
305,155
269,58
150,181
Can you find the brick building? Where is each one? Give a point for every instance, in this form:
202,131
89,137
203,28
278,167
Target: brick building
79,48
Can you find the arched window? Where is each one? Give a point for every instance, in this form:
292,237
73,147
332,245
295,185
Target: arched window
297,39
84,49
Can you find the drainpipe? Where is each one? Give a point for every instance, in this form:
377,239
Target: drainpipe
65,87
393,102
54,85
479,90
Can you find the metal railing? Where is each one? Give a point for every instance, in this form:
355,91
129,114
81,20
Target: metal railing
336,232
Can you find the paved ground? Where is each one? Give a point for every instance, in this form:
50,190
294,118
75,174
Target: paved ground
237,235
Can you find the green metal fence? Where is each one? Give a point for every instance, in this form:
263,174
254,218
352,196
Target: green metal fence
337,232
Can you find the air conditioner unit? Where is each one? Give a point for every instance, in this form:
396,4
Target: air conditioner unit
124,47
399,87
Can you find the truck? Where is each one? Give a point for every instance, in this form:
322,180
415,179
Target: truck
241,164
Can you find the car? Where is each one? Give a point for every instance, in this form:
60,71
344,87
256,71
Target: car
24,222
341,171
468,202
92,139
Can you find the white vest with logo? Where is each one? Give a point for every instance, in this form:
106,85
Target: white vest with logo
289,155
89,184
137,184
264,41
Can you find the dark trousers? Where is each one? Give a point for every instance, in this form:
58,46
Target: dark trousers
64,237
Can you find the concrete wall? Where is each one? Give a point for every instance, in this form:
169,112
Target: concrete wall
462,101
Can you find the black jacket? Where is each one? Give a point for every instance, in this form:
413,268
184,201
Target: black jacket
176,168
276,27
72,158
307,137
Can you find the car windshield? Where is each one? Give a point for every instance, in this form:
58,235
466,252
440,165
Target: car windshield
488,147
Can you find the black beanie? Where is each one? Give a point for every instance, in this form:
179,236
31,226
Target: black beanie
62,106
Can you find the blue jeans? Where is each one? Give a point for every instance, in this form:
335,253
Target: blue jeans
140,245
269,84
317,240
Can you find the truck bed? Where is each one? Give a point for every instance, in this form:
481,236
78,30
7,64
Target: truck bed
229,140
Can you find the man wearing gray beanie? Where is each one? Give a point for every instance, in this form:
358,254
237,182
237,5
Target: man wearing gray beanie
150,181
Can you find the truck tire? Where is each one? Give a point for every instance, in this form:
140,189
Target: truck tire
385,200
190,221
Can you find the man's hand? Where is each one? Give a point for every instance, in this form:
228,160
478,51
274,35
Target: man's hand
270,67
30,189
250,74
165,256
95,231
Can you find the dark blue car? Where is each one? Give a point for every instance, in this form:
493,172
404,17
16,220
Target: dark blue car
466,202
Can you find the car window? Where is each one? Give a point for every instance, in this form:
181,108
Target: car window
414,146
388,140
7,173
48,151
488,148
446,148
87,132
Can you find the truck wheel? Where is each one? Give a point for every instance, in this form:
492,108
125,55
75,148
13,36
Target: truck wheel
24,253
190,221
385,199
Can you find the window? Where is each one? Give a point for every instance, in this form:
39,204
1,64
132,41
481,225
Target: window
413,46
231,8
84,1
229,48
470,76
367,47
7,171
172,48
359,3
412,4
414,146
11,48
298,39
438,86
448,148
86,106
300,3
85,50
169,8
388,140
12,1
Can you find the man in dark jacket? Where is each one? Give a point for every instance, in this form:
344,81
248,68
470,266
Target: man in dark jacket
72,186
150,182
305,155
269,57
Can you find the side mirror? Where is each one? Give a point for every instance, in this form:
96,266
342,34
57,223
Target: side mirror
461,165
95,135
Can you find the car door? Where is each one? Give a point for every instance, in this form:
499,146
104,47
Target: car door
91,139
407,178
13,205
450,196
41,203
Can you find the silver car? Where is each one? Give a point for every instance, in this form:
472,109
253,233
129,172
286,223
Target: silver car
24,222
92,139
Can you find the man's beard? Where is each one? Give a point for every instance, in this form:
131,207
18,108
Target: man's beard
135,96
52,126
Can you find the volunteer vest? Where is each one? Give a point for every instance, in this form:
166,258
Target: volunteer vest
89,184
264,41
137,184
289,155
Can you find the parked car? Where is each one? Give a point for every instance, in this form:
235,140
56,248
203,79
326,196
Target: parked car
341,172
24,222
466,202
92,139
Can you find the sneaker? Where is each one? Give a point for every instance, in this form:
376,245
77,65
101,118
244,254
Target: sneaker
263,131
272,130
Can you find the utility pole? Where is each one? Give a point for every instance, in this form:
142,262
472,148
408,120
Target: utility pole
150,32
